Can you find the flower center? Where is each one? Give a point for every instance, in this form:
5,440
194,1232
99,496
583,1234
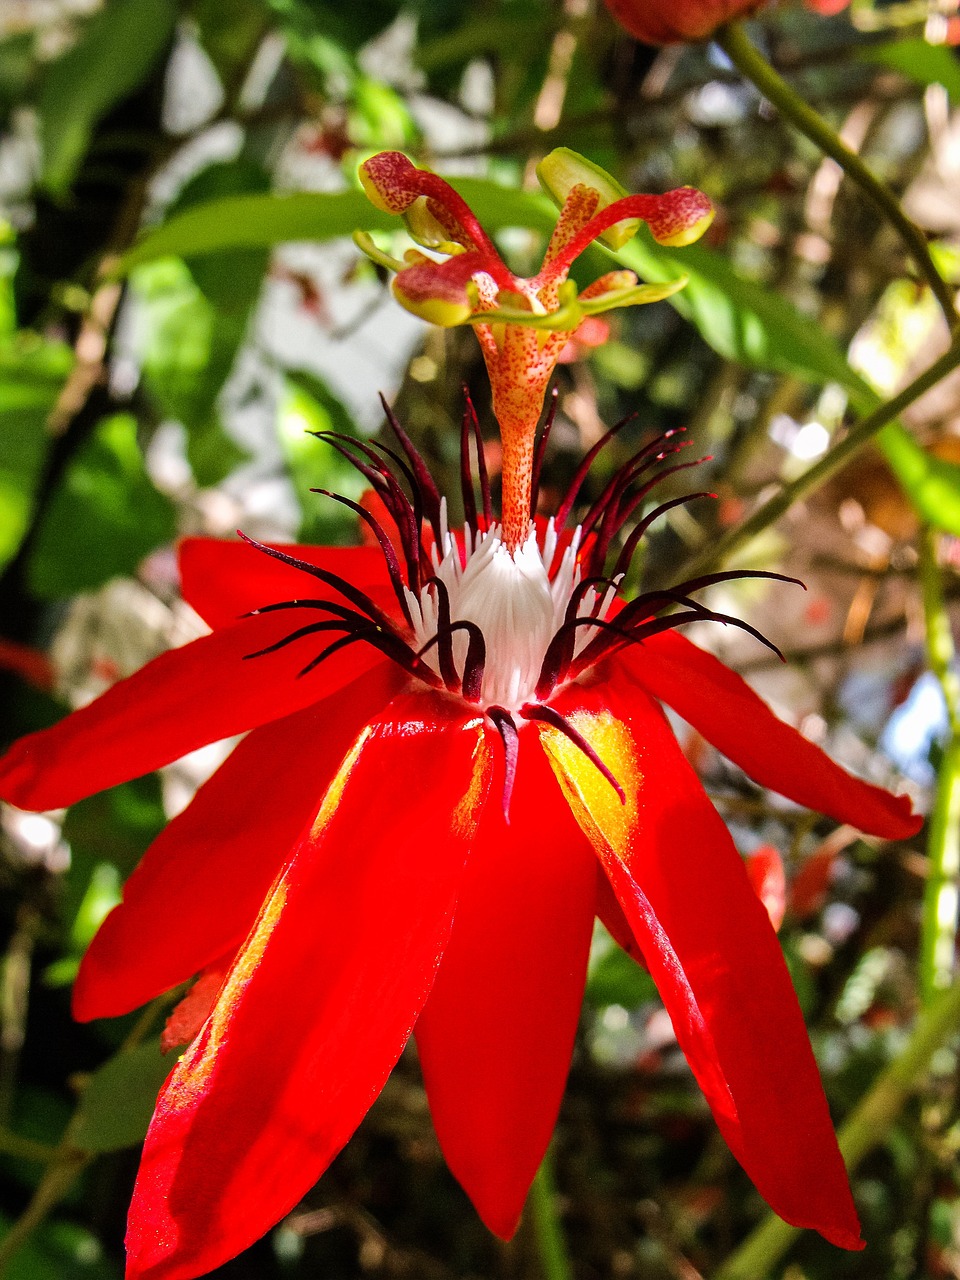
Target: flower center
517,599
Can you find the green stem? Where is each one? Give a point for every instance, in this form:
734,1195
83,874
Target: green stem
735,42
865,1129
12,1144
550,1242
938,936
720,551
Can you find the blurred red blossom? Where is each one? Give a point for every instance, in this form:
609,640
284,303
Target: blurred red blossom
669,22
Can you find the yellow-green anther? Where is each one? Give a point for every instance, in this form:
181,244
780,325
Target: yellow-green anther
563,169
365,243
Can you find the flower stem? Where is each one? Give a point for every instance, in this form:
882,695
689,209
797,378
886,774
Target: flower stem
12,1144
543,1208
748,60
938,935
720,552
865,1129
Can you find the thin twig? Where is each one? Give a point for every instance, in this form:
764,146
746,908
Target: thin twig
735,42
938,934
724,548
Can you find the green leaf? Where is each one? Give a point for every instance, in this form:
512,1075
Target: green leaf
229,31
117,825
196,319
32,372
115,52
921,62
103,519
379,116
310,406
187,349
117,1104
932,484
231,281
212,454
112,828
265,220
615,978
741,319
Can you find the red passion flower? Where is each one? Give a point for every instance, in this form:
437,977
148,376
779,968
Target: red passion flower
455,758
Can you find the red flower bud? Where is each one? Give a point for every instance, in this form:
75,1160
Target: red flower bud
670,22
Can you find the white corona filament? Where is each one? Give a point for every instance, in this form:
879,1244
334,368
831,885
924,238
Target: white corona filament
518,600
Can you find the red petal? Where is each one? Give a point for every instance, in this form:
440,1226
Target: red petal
769,881
223,580
189,1014
198,890
610,914
178,702
723,707
320,1003
710,948
497,1032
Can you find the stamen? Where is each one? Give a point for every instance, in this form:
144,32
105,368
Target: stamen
312,629
499,624
407,517
570,497
444,637
425,483
630,546
466,474
482,476
386,546
341,585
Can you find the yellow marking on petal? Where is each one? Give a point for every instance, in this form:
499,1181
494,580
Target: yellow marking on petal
596,806
688,235
195,1069
197,1066
465,815
334,792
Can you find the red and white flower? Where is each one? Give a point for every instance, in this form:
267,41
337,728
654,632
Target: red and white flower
455,758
